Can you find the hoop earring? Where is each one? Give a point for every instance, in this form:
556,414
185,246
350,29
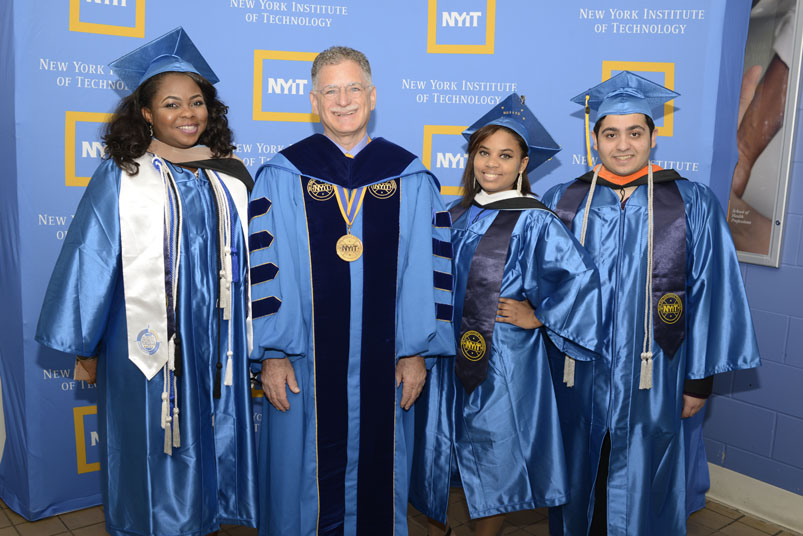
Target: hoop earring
518,183
476,184
150,130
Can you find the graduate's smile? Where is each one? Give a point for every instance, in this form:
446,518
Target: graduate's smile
188,129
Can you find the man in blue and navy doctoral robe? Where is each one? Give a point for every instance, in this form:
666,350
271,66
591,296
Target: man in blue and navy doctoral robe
352,291
674,311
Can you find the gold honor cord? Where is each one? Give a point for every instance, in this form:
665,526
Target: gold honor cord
588,134
349,247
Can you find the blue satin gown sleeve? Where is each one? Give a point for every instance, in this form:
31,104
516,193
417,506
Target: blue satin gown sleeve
280,329
551,196
78,299
719,328
567,297
424,313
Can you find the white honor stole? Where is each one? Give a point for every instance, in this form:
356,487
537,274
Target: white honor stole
150,208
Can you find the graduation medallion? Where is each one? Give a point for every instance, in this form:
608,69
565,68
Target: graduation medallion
349,247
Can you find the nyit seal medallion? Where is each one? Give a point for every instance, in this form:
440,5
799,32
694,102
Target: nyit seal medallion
383,190
472,344
670,308
148,341
349,247
320,191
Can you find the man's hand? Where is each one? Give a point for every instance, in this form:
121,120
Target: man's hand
518,313
86,370
691,405
276,373
412,373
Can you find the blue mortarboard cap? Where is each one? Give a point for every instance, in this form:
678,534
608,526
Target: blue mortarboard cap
512,113
174,51
626,93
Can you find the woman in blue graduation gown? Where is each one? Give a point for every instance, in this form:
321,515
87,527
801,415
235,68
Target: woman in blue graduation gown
150,292
490,415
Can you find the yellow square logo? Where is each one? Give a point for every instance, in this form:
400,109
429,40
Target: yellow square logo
280,90
668,69
89,148
79,416
107,17
449,26
430,131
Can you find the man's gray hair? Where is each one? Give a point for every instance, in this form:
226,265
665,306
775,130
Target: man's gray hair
336,55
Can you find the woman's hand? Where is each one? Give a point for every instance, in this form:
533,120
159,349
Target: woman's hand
518,313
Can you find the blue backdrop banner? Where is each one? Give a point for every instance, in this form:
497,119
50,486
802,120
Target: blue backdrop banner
438,65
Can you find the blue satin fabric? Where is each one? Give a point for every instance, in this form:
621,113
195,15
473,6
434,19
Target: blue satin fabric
211,478
646,484
504,438
289,447
697,478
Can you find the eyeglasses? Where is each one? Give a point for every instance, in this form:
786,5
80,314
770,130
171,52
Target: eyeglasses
353,91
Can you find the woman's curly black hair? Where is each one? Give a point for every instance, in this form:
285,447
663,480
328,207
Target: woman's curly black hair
127,135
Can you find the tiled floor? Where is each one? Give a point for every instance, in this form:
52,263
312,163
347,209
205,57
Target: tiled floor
715,519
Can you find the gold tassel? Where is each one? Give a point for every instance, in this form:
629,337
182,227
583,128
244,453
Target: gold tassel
645,381
568,371
588,134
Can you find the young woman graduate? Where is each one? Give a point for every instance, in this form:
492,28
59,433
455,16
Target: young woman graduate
522,282
150,292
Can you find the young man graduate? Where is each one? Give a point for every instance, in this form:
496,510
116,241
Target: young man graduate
352,288
674,310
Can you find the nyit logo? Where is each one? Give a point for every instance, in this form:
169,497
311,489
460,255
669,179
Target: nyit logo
125,18
662,73
461,26
449,147
460,18
86,439
82,146
450,160
281,82
280,86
